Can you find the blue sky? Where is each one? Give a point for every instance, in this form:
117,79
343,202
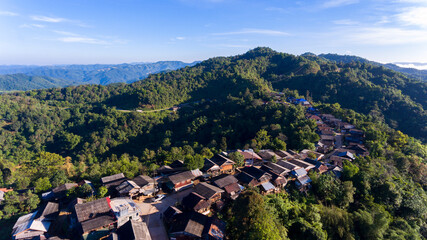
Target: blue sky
115,31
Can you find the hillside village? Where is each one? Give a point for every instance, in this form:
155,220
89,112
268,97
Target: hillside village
178,203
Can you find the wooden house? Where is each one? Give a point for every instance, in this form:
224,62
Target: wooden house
209,192
196,202
181,180
94,216
113,180
225,164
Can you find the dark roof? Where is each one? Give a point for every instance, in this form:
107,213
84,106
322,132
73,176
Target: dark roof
49,211
64,187
233,187
192,223
92,209
126,186
96,223
301,163
133,230
221,160
287,165
276,168
143,180
180,177
206,190
171,211
177,164
226,180
194,201
255,172
245,178
208,165
113,180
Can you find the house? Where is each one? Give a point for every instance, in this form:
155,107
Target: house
224,180
247,179
288,165
336,172
311,154
169,213
302,182
36,224
128,188
94,216
196,202
319,166
134,230
225,164
276,168
113,180
124,210
1,196
211,168
146,184
175,167
299,172
233,190
251,158
258,174
209,192
215,229
183,180
60,192
278,180
267,188
307,166
188,225
284,155
83,182
268,155
358,149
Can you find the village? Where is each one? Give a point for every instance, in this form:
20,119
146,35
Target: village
178,203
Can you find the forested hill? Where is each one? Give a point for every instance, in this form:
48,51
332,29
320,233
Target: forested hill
373,90
83,74
22,82
410,72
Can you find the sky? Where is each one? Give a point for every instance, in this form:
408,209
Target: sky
46,32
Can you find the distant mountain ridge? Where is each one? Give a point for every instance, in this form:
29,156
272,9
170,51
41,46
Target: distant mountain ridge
66,75
410,72
22,82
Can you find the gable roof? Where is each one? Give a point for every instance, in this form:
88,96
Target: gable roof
91,210
209,165
126,186
267,186
245,178
276,168
180,177
268,154
206,190
226,180
303,180
250,155
97,222
192,223
60,191
195,201
302,164
48,211
255,172
234,187
115,179
143,180
288,165
300,172
171,211
221,160
134,230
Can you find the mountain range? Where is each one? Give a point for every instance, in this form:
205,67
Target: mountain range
20,77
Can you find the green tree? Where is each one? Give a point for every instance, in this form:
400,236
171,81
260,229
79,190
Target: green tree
42,184
31,201
238,158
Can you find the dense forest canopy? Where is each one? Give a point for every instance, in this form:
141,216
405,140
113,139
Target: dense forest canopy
52,136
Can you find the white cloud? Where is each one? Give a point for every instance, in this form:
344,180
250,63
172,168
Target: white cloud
411,65
32,26
386,36
7,13
65,33
180,38
416,16
338,3
345,22
48,19
83,40
276,9
267,32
